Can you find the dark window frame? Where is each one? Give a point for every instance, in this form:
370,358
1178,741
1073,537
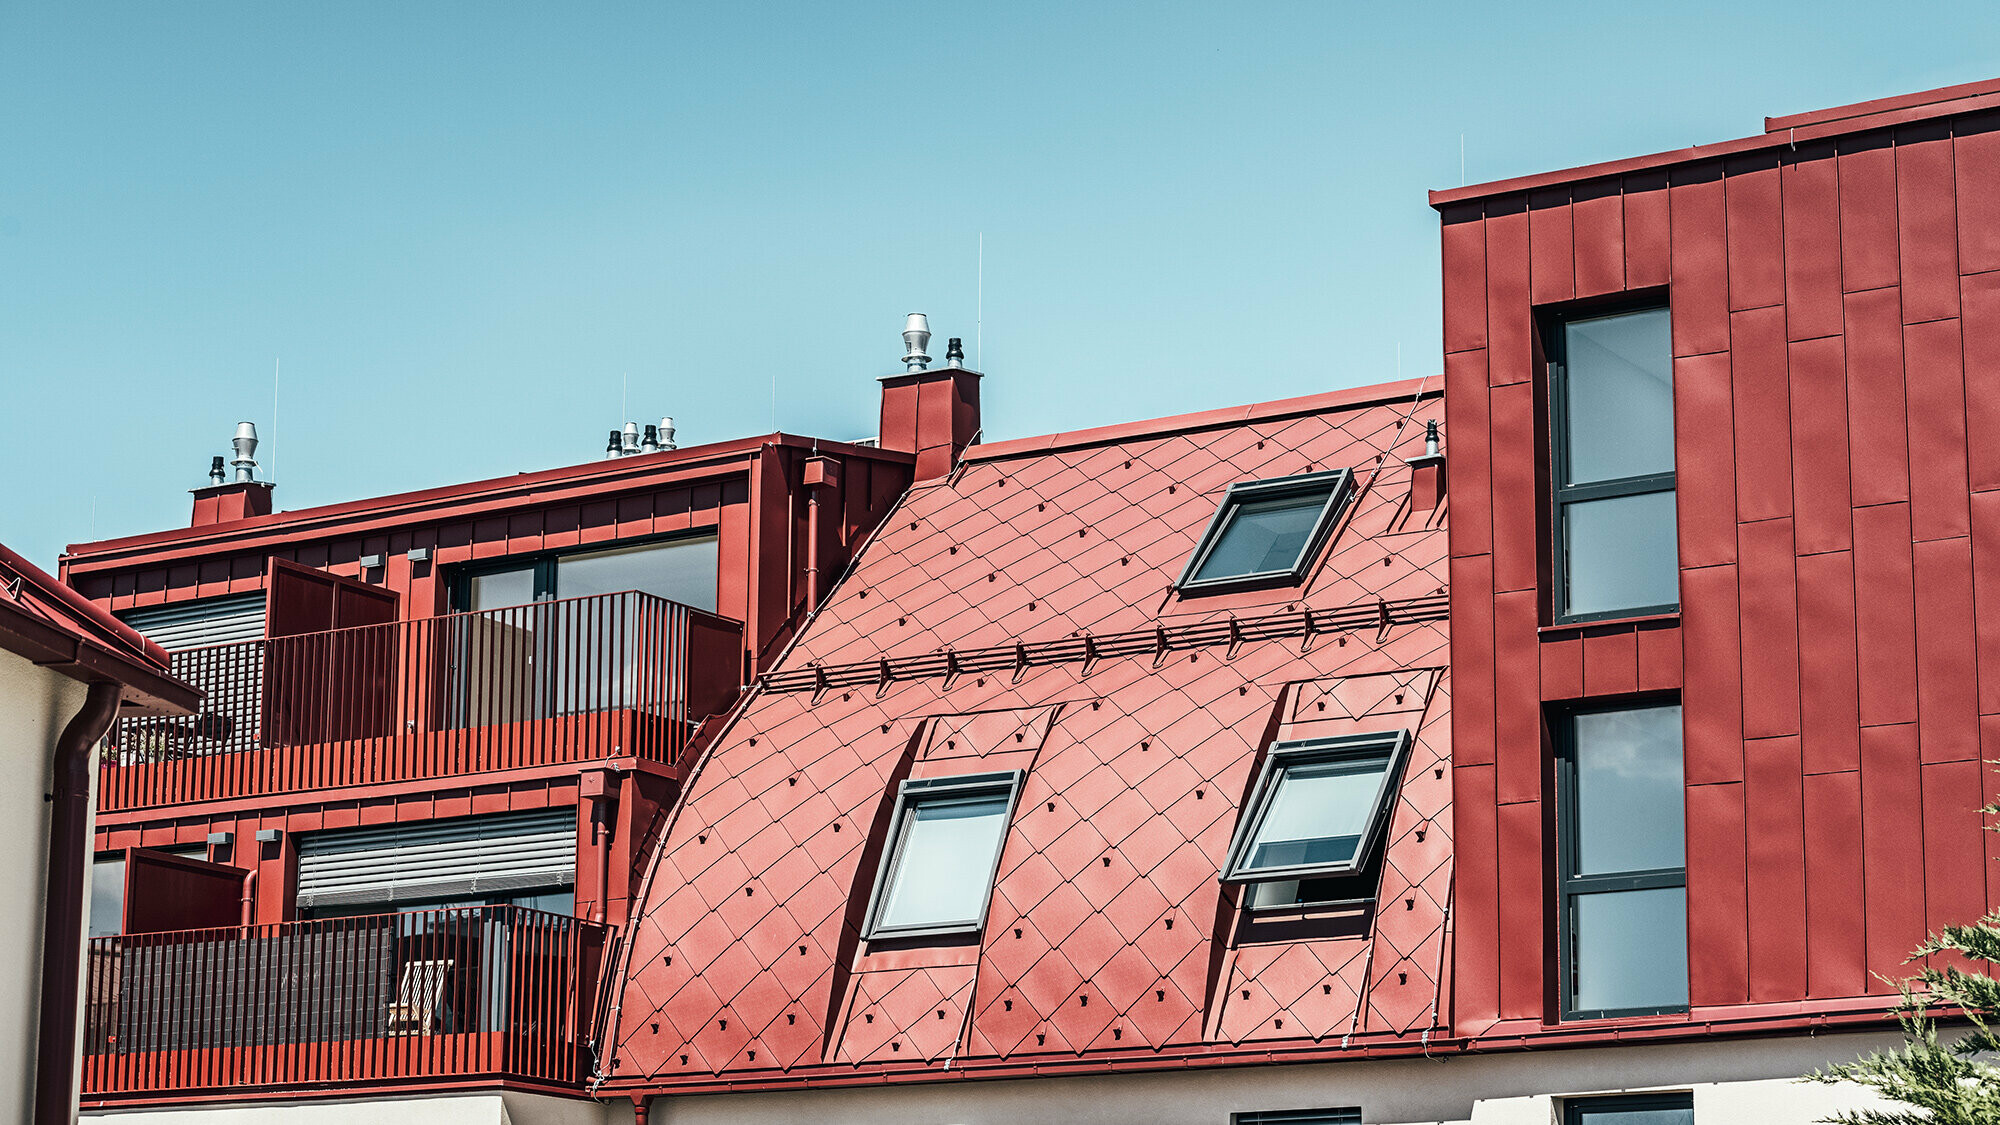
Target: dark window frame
1338,484
1281,757
924,791
1574,1109
458,578
1334,1115
1570,885
1555,337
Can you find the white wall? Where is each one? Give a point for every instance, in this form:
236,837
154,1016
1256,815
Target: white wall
444,1109
35,705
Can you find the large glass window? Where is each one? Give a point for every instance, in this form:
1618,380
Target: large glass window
1313,816
1266,531
1635,1109
1612,387
679,570
945,838
1623,861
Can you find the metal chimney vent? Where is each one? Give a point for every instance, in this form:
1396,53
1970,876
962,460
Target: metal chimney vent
245,443
916,337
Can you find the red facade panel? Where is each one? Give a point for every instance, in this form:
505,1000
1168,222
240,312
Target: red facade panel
1932,355
1551,272
1981,358
1837,952
1774,827
1597,219
1877,419
1868,244
1892,854
1761,389
1769,604
1947,672
1885,621
1812,248
1510,318
1926,223
1699,289
1718,896
1821,505
1829,675
1756,251
1705,453
1976,167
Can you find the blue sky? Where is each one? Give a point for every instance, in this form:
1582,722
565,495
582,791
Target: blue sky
464,229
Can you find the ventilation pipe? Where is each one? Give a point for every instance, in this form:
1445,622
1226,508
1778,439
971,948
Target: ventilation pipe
916,337
613,448
216,474
649,442
245,443
954,353
667,433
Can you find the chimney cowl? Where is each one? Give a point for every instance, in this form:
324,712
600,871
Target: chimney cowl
245,444
916,337
216,473
667,432
954,353
614,447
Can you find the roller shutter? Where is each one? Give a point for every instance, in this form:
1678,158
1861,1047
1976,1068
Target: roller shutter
197,624
392,863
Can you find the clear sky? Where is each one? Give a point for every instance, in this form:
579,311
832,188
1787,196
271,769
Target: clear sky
465,229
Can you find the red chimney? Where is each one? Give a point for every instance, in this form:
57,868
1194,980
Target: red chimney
237,500
933,413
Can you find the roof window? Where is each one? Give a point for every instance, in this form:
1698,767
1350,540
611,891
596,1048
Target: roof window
944,847
1267,532
1315,814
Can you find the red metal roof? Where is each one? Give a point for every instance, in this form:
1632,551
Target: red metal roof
1780,132
47,622
1020,614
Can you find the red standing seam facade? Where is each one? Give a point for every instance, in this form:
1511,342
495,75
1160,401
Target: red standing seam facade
1834,287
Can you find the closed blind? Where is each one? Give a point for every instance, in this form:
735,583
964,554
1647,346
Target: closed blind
195,624
393,863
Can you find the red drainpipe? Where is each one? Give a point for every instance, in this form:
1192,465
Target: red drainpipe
62,920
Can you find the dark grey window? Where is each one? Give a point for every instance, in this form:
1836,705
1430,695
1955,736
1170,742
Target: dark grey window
1612,389
1267,532
1315,813
1349,1115
682,569
1635,1109
1621,841
944,845
107,895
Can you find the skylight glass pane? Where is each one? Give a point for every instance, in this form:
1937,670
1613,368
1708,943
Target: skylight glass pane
1619,389
946,862
1317,814
1263,537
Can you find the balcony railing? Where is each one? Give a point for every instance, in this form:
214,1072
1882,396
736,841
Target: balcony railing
482,992
551,682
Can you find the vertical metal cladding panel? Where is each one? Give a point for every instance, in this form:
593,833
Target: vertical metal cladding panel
1885,622
1769,604
1976,167
1868,250
1926,222
1774,826
1464,250
1812,246
1610,661
1981,344
1467,415
1717,896
1821,504
1954,844
1985,600
1763,408
1597,220
1523,921
1517,711
1551,272
1700,285
1836,926
1473,666
1517,545
1932,355
1510,323
1712,703
1892,845
1829,676
1752,195
1648,242
1878,438
1947,671
1704,460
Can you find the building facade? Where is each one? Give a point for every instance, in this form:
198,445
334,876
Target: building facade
1580,737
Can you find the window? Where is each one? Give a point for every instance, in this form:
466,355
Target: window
1313,815
1266,532
1350,1115
1612,389
107,895
1637,1109
944,846
1623,865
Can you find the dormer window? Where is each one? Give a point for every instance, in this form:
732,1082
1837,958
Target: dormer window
944,847
1315,814
1267,532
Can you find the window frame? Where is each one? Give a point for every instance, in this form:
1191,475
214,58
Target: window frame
1556,346
915,791
458,578
1333,1115
1281,757
1339,485
1574,1109
1570,886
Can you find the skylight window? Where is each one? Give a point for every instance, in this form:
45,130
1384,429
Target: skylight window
937,875
1316,811
1267,532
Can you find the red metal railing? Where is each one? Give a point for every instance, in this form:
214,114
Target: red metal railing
539,684
487,992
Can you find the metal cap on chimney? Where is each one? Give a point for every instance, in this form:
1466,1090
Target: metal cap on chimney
245,443
667,433
954,353
216,474
614,447
916,337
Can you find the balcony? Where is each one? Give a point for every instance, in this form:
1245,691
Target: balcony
549,683
480,993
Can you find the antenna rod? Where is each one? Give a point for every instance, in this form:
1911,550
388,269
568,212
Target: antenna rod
979,311
277,366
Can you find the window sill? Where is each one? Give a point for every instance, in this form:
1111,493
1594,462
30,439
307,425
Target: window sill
1576,628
